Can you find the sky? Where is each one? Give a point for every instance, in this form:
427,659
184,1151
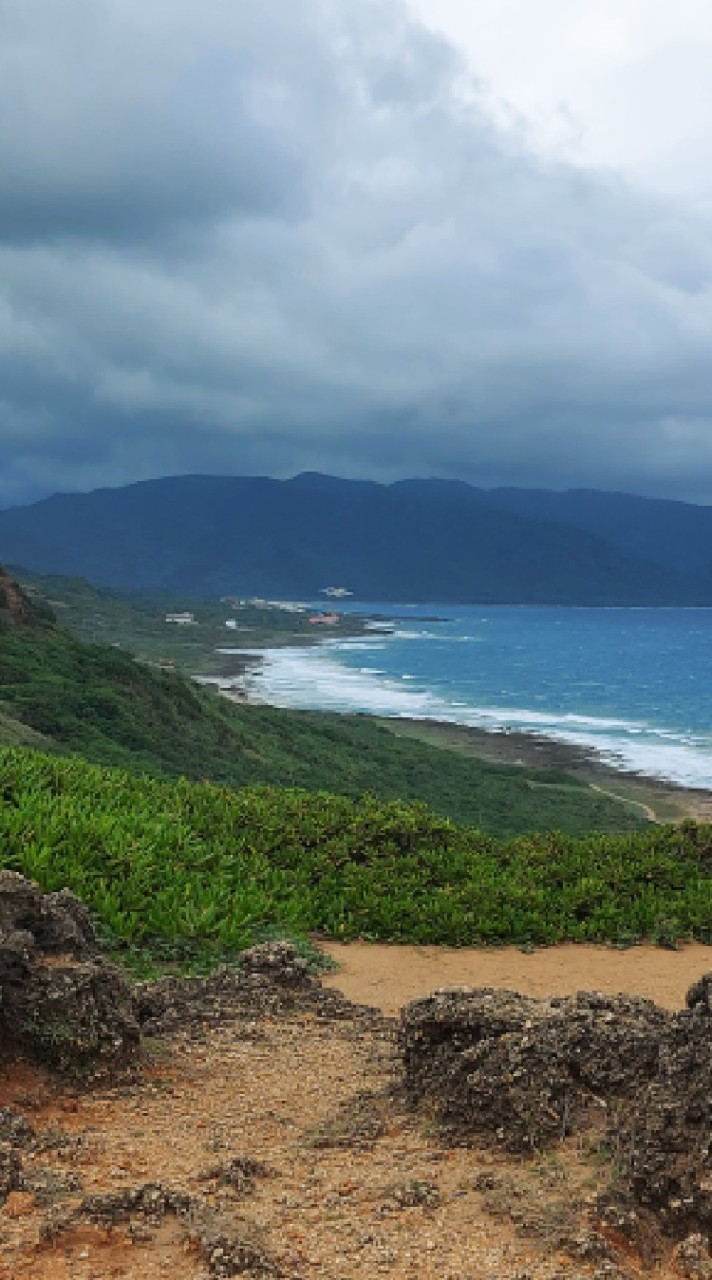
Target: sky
464,238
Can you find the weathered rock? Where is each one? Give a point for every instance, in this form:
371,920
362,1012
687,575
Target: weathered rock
176,1004
10,1170
699,997
665,1143
272,979
227,1256
693,1258
525,1072
225,1253
278,962
60,1003
55,923
240,1173
415,1193
80,1019
151,1201
15,1130
49,1186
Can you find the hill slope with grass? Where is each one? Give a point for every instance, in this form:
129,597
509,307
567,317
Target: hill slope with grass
136,621
99,702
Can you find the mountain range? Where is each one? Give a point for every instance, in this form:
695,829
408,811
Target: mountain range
421,541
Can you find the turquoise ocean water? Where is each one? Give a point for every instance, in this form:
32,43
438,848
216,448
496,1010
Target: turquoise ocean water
635,684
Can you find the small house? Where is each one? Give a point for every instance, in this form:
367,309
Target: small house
181,619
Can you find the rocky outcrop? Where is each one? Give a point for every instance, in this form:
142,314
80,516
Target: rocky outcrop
227,1251
524,1073
17,609
665,1141
53,923
61,1004
272,980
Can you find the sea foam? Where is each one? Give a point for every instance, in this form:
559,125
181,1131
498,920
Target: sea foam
337,676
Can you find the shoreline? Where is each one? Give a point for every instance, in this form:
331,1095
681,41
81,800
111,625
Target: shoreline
668,801
661,799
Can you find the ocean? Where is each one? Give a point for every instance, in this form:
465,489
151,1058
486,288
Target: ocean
633,684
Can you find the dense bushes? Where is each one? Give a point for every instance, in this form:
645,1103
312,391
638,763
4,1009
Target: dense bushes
196,863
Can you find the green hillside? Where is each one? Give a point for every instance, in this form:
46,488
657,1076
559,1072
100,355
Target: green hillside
99,702
135,621
174,868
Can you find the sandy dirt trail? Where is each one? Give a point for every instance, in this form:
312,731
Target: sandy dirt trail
347,1184
390,976
287,1133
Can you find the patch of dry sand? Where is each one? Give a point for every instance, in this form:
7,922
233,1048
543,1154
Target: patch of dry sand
390,976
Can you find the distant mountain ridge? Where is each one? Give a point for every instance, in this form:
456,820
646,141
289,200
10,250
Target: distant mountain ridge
433,541
677,535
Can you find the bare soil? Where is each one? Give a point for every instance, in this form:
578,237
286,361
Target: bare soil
353,1187
288,1132
388,977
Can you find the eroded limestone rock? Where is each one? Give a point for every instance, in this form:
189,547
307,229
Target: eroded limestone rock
61,1004
524,1072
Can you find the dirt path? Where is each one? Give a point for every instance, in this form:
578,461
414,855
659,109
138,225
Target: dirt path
638,804
389,976
288,1134
280,1140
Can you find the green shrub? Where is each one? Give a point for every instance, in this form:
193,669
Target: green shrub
166,863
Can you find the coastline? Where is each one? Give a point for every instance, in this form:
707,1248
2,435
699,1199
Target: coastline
661,800
666,801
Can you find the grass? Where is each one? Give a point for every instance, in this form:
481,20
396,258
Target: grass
100,703
174,865
648,795
13,733
135,621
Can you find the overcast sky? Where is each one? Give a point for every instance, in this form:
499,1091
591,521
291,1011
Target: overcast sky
463,238
613,83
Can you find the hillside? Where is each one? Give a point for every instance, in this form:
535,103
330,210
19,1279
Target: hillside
410,541
676,535
181,863
100,703
136,621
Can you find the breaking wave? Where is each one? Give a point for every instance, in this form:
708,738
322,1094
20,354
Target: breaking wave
316,678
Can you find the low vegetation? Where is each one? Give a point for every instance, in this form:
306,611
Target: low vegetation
97,701
175,866
136,621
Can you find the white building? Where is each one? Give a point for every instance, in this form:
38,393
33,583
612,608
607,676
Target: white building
182,619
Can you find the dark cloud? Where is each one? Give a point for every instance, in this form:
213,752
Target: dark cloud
274,237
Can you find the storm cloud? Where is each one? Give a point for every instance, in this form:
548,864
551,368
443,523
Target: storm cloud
287,236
